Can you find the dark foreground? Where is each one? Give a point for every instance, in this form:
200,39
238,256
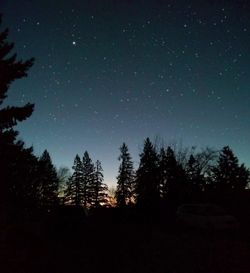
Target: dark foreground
103,245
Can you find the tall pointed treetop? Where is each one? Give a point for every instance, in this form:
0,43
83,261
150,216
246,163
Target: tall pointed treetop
10,70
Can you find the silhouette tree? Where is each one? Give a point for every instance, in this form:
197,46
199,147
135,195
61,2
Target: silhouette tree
228,175
11,70
20,170
98,188
75,186
172,176
88,170
206,160
49,181
198,166
196,180
169,169
147,178
125,178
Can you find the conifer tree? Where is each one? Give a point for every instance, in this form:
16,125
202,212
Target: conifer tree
48,181
125,178
11,69
147,178
22,176
194,175
74,191
172,176
169,169
88,179
98,188
228,175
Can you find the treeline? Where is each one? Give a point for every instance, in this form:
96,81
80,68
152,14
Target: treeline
164,175
168,176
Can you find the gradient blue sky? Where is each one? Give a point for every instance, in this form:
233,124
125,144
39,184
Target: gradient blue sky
113,71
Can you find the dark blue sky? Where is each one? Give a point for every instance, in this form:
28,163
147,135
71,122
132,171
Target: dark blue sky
108,72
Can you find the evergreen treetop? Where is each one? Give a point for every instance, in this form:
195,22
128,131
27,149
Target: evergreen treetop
125,178
48,181
88,179
17,187
147,176
74,191
229,174
10,70
99,189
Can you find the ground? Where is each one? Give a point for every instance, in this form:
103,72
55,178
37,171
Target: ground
123,246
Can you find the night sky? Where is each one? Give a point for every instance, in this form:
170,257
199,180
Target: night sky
113,71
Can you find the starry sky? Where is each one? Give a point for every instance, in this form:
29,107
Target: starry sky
113,71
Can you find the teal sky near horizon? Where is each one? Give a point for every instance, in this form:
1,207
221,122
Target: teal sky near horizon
108,72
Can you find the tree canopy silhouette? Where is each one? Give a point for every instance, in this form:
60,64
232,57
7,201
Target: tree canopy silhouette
75,186
48,181
98,188
15,159
10,70
88,169
125,178
147,177
229,175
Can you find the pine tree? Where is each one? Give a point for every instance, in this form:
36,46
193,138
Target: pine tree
228,175
147,177
10,70
22,176
48,181
88,179
125,179
172,176
98,188
74,191
169,168
194,175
